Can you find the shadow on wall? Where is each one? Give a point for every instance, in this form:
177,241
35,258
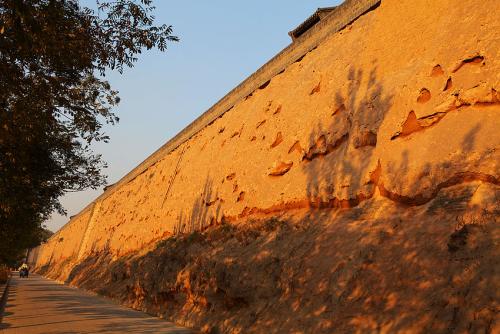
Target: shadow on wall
43,270
205,211
338,159
341,161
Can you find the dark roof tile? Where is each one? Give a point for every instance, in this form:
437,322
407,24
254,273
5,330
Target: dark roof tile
310,21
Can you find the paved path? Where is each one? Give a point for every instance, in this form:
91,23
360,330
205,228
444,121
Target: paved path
39,306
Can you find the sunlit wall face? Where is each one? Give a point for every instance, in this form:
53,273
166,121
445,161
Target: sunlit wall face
222,42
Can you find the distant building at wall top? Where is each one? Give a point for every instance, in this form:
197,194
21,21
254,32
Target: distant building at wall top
310,21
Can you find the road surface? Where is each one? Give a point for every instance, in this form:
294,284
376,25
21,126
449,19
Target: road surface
37,305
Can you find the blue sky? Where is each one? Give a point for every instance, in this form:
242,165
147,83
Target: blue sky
222,42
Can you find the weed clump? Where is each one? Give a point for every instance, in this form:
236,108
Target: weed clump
195,237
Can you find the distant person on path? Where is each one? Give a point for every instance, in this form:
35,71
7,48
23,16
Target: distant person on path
24,270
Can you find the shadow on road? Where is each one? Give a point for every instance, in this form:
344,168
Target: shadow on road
37,305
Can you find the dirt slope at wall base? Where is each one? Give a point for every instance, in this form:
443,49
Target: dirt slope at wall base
381,266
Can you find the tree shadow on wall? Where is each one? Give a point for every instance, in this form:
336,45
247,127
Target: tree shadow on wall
402,274
204,212
337,159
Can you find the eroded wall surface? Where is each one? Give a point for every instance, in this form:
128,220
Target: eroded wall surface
402,103
61,252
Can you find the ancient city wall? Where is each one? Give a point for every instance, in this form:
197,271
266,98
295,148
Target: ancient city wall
64,246
344,14
397,104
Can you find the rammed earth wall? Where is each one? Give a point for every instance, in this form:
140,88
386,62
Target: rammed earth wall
344,14
390,99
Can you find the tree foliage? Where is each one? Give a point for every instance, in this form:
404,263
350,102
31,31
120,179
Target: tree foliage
54,100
